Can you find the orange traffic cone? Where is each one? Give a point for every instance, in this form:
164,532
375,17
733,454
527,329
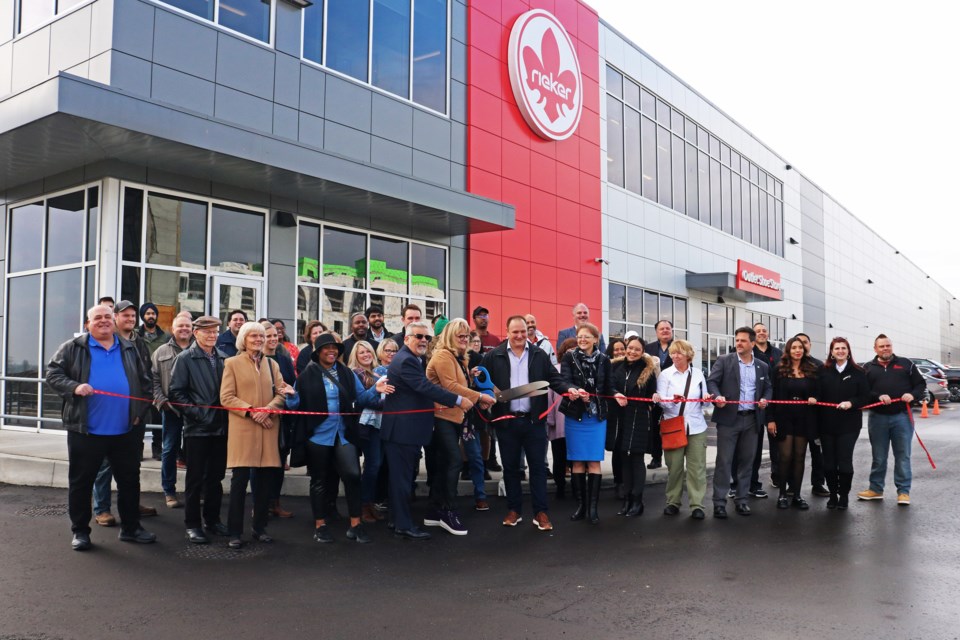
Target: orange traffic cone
936,407
923,412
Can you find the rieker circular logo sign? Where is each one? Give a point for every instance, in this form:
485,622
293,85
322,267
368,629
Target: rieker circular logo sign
545,75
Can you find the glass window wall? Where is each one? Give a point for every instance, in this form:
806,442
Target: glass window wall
399,46
636,309
699,175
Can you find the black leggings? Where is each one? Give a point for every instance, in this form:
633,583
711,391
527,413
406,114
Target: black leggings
634,474
344,457
793,453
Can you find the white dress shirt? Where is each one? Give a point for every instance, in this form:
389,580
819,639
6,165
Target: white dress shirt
671,382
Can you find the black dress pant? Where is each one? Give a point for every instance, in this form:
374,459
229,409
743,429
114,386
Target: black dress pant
345,462
838,453
86,453
206,467
558,447
261,498
816,464
404,460
446,465
654,444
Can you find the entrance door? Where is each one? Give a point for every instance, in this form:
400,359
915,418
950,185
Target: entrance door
714,347
230,294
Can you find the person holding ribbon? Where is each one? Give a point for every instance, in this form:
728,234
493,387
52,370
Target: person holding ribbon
843,383
587,370
252,386
793,418
327,435
448,369
676,385
520,424
635,376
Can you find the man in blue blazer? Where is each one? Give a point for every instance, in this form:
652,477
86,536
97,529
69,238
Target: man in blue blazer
741,386
581,316
403,435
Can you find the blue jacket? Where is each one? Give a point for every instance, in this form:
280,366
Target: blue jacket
413,391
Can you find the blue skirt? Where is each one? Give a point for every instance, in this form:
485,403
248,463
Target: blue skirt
585,438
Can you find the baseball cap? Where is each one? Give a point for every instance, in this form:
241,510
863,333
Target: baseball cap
123,305
480,310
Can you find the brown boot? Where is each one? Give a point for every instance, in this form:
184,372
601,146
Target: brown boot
370,515
278,511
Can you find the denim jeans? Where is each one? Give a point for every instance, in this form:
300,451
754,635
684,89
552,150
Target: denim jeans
886,432
172,432
101,489
516,437
372,459
474,452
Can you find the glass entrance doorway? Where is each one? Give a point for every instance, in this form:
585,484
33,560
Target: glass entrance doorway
232,294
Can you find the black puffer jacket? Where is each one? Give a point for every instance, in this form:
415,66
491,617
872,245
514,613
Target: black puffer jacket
634,380
70,367
193,382
573,375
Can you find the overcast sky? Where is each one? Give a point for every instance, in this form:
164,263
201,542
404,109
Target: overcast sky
858,96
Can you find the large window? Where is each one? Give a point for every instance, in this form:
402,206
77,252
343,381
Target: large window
251,18
33,13
719,323
50,280
399,46
174,246
342,271
635,309
656,151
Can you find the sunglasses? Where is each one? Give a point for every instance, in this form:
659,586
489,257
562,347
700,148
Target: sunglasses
421,336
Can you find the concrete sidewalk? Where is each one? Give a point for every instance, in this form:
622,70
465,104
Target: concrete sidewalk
40,460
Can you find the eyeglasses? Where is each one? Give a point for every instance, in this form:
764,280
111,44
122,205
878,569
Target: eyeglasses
464,336
482,315
421,336
389,350
585,338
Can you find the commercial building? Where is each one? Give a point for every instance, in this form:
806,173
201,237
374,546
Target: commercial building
302,161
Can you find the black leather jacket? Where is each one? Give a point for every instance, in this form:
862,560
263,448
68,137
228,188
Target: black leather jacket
193,382
70,367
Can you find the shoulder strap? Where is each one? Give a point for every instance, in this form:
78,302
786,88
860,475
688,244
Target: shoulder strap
335,380
686,390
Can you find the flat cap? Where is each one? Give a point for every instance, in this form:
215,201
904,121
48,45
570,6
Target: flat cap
205,322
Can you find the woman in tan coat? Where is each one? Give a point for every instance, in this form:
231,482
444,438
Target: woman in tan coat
252,381
448,368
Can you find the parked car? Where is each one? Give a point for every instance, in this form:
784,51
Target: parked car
951,374
936,390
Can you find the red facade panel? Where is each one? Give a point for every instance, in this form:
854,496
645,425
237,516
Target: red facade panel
546,264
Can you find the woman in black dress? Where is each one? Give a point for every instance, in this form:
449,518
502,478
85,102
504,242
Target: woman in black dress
635,376
845,384
793,425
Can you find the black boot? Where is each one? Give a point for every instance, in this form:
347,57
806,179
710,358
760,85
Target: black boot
579,482
844,483
627,505
783,502
832,485
561,487
593,488
636,509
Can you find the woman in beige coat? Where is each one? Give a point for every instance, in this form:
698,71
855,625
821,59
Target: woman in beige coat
252,381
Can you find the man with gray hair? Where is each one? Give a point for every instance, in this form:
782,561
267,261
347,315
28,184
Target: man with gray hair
102,426
581,316
404,434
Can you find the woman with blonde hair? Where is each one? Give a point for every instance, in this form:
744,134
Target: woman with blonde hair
448,369
252,386
680,382
363,362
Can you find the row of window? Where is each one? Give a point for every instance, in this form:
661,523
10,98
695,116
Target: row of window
657,152
636,309
399,46
341,272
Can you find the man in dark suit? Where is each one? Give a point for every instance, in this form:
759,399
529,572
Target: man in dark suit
511,364
403,435
661,351
745,380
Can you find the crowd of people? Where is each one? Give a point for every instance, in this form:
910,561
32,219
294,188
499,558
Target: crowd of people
363,410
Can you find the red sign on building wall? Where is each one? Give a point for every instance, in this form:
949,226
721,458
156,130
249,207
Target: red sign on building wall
758,280
547,263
